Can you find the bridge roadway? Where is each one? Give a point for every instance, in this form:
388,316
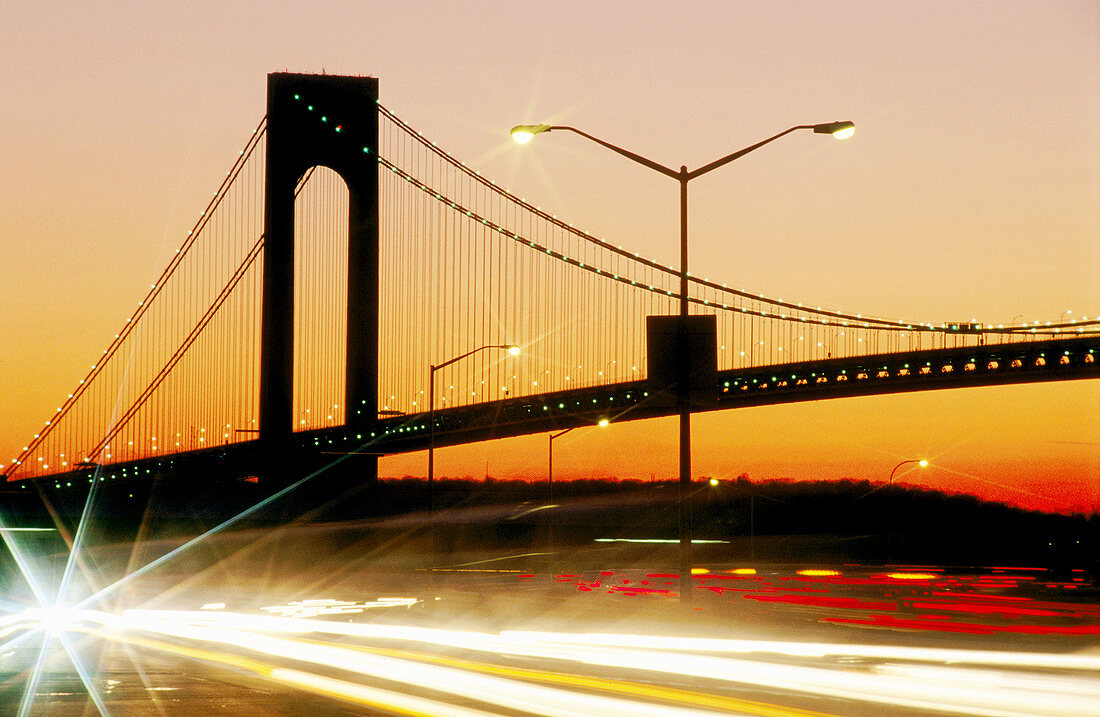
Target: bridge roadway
1055,359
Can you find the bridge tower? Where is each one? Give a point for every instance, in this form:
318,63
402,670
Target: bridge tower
297,140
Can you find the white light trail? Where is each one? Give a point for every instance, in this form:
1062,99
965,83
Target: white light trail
342,689
1038,660
572,679
503,692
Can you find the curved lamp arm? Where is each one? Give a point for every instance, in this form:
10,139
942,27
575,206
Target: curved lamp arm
919,461
524,132
510,348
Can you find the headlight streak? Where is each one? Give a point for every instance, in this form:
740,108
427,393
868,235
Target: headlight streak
492,642
16,626
937,687
372,696
819,649
27,632
340,689
605,684
507,693
313,608
995,680
913,693
18,618
348,690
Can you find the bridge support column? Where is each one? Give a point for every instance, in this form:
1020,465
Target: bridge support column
330,121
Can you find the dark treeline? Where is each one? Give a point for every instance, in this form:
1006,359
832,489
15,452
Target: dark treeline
776,520
781,521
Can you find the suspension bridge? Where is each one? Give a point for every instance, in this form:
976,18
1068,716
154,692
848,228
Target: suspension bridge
345,255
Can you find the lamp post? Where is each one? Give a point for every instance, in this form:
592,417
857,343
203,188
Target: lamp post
523,134
923,463
550,486
513,349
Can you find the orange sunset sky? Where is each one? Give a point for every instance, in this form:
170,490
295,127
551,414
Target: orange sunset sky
970,191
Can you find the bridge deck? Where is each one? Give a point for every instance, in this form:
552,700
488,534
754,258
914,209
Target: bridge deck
1051,360
988,365
1056,359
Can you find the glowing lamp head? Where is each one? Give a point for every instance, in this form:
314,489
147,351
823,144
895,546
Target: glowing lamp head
840,130
603,423
713,482
513,349
523,133
922,463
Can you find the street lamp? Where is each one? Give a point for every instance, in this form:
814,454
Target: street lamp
525,133
550,484
512,349
923,463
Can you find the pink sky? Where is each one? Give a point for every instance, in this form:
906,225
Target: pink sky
971,190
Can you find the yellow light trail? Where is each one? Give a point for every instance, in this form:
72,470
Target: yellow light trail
604,684
394,702
954,680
